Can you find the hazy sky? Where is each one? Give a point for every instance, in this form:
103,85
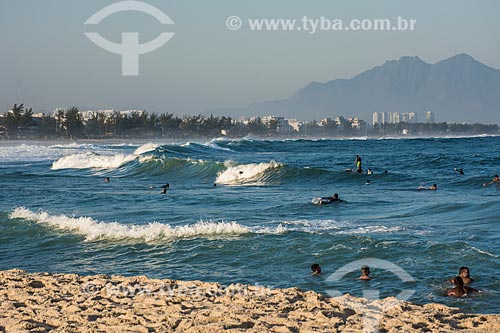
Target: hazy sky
46,61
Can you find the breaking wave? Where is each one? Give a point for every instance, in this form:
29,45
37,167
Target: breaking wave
96,230
253,174
92,160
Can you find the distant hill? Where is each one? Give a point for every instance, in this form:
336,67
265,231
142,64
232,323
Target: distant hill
457,89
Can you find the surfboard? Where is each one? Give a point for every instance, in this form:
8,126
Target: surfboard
316,201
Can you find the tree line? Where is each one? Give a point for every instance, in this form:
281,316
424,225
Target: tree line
69,123
19,123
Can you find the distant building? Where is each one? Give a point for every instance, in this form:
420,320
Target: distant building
294,124
282,125
409,117
108,113
429,117
394,117
378,118
356,122
341,122
326,122
129,113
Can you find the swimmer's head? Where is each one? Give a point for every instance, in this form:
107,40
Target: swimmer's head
463,271
315,268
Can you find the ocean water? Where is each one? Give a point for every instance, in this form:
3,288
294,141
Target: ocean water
258,225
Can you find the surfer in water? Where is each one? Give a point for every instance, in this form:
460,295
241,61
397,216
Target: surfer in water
460,171
327,200
494,180
431,188
165,188
358,164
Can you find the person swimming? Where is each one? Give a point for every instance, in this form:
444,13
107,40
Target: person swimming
165,188
460,290
365,273
464,273
433,187
460,171
327,200
106,180
369,171
495,179
316,269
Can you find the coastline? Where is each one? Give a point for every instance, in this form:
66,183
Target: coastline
164,140
43,302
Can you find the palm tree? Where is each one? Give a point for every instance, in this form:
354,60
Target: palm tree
73,122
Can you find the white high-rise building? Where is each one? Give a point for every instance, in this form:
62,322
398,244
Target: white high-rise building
429,117
409,117
378,118
394,117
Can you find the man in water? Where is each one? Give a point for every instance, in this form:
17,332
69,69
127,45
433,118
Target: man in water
432,188
358,164
460,290
316,269
365,273
327,200
494,180
464,273
165,188
460,171
369,171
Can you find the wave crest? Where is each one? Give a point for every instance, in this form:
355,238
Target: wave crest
245,173
95,230
91,160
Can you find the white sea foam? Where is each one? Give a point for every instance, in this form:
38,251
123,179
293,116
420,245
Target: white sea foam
484,252
95,230
333,227
91,160
370,230
145,148
244,173
38,152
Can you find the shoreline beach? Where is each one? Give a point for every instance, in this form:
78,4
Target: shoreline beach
43,302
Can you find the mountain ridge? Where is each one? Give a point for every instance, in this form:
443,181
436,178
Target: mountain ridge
456,89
